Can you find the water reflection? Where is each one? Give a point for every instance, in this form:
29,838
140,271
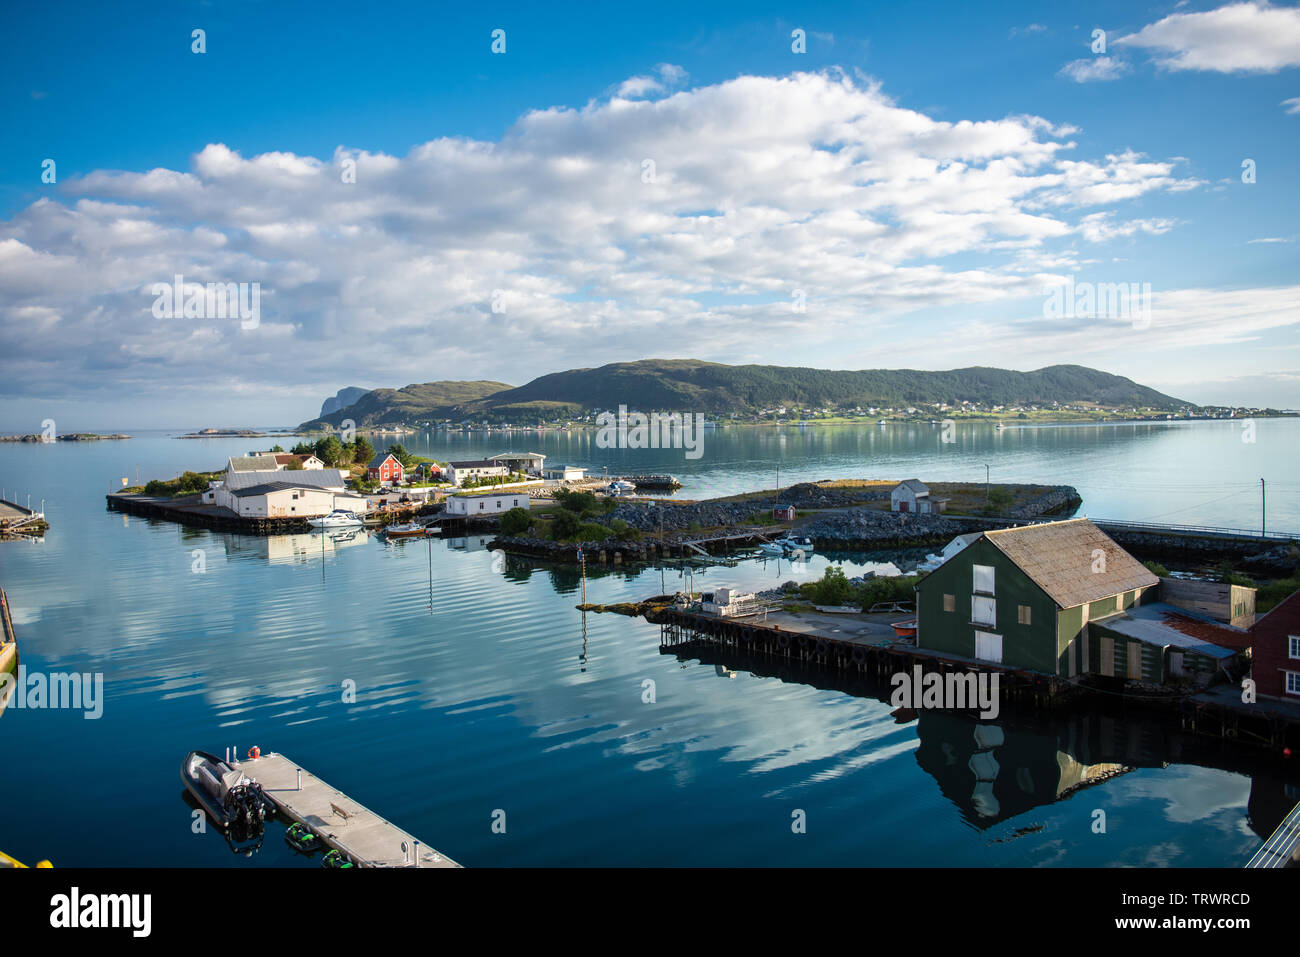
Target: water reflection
995,771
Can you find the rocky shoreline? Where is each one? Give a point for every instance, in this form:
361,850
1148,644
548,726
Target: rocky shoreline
848,528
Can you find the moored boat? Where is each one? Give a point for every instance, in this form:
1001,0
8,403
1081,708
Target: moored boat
405,530
339,518
231,798
904,629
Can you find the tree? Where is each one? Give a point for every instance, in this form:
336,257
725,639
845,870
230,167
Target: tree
362,450
398,451
329,450
277,448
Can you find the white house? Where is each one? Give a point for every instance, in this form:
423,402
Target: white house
913,495
458,472
529,462
226,493
481,506
287,500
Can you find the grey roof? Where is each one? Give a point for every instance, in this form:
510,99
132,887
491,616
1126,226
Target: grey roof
531,456
914,485
381,457
254,463
1060,558
274,487
1160,624
476,464
307,478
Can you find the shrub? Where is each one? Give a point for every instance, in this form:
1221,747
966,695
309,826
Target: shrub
592,532
516,521
1155,568
832,589
580,503
565,524
876,590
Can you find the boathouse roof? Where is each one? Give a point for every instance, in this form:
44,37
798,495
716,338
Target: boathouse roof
1061,558
307,478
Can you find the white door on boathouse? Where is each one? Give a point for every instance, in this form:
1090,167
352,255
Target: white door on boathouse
988,647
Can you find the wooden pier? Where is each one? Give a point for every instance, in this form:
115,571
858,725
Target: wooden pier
366,838
1282,849
16,519
862,644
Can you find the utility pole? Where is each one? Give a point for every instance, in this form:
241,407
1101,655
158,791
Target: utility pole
1261,508
986,483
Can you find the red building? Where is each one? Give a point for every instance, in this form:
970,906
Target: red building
1275,651
385,468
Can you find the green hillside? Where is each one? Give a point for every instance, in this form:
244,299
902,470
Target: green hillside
713,388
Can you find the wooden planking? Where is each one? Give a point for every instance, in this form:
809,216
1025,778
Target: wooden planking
367,838
1283,846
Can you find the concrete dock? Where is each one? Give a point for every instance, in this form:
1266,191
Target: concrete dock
365,837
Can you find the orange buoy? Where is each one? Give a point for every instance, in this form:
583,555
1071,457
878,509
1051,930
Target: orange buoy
255,753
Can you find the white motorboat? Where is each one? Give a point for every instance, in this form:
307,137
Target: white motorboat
775,549
339,518
618,487
800,543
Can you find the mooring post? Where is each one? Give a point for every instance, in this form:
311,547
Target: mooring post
300,779
415,851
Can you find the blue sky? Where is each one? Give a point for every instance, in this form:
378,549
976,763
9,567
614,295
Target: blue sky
921,175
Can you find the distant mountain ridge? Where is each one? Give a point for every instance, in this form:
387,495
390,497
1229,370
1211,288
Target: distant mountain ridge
342,399
691,385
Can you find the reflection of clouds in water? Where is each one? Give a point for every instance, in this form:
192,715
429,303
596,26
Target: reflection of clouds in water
1190,794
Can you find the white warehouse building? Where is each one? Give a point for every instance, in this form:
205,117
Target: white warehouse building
471,506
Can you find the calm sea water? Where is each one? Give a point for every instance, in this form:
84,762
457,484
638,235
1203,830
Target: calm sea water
482,689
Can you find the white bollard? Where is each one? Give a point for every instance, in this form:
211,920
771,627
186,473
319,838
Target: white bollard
300,779
415,848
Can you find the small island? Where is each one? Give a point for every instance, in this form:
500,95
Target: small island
66,437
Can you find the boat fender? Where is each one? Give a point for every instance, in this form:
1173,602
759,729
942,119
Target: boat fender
859,655
783,641
823,646
255,753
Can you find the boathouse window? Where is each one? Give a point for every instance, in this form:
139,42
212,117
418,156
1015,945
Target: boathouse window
1293,682
1295,645
983,610
983,579
1024,615
949,602
480,506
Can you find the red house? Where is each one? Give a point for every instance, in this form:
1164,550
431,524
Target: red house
1275,651
385,468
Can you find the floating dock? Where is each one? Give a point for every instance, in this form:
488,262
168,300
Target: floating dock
1282,849
341,823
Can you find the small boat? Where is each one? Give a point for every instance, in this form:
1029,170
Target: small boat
405,530
339,518
800,543
7,861
302,838
775,549
617,487
231,798
904,629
